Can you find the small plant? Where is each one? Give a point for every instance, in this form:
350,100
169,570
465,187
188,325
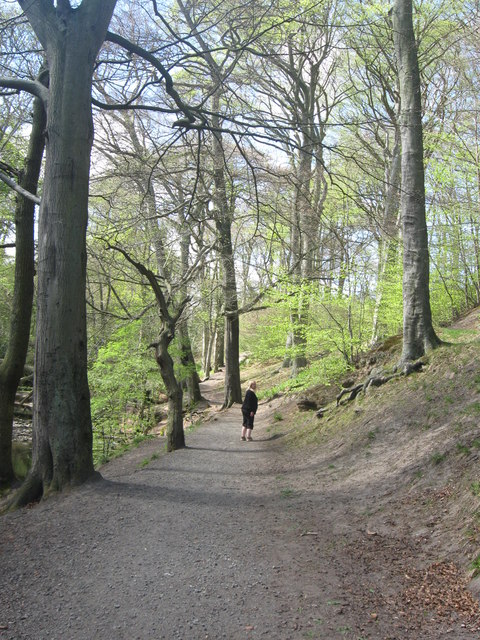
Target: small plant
277,416
475,488
372,435
437,458
463,448
146,461
286,493
475,566
473,408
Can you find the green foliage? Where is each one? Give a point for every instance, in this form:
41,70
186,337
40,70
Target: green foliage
124,382
337,325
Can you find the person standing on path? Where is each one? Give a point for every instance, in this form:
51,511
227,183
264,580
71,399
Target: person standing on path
249,409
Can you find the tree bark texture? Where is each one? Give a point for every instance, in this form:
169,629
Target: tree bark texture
62,438
12,367
418,332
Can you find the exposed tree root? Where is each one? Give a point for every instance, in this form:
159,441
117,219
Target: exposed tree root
30,491
35,489
377,378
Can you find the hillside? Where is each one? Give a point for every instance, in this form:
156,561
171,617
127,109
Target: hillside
404,460
364,523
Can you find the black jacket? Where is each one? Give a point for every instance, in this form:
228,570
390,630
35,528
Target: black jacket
250,403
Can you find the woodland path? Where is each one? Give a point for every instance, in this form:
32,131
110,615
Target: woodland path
224,539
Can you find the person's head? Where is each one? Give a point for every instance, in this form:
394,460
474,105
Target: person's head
252,385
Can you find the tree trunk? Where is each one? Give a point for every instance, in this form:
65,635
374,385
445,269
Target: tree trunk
223,223
12,367
219,347
175,433
62,426
418,332
206,350
192,380
390,229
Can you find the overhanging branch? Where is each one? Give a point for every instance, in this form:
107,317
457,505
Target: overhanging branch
191,116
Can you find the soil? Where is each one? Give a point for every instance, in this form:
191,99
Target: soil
348,538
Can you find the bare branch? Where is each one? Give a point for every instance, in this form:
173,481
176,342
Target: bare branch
13,185
191,116
31,86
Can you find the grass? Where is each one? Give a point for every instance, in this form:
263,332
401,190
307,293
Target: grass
463,448
473,408
437,458
475,566
475,488
146,461
121,449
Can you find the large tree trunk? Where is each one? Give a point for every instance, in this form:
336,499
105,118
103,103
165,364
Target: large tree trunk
11,369
62,438
418,332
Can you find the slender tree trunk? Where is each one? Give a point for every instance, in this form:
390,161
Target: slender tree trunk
192,380
390,230
187,357
219,350
175,432
206,350
418,332
62,426
223,223
11,369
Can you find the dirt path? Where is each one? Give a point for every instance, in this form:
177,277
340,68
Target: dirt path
223,539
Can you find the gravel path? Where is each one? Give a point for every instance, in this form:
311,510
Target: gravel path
214,541
189,546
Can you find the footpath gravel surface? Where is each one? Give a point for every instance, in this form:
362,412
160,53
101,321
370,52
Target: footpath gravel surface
214,541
